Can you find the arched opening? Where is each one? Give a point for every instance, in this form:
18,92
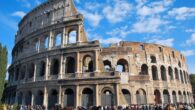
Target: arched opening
72,36
107,98
42,68
69,98
176,74
157,97
141,97
54,67
144,70
88,64
87,97
20,95
28,98
163,73
37,44
23,72
122,65
153,59
181,75
166,97
53,98
180,97
185,97
70,65
154,73
170,73
58,39
179,64
46,42
127,96
31,69
174,97
39,98
107,65
17,74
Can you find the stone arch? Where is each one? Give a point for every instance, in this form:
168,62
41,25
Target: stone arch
157,97
153,59
180,97
163,73
42,68
31,69
87,97
53,98
72,36
122,65
170,70
176,74
55,66
179,64
28,98
19,98
174,96
69,98
88,64
127,96
144,69
166,97
58,39
39,97
141,96
70,65
36,44
107,65
154,73
107,97
17,73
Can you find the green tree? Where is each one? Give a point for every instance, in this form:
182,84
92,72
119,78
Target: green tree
3,67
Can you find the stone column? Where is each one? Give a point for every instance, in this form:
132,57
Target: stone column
45,101
61,64
32,99
96,61
78,62
63,38
60,96
35,71
79,34
50,40
162,97
97,95
170,96
117,95
46,68
77,94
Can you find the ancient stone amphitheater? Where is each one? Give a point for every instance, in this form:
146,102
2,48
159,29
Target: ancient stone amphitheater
54,63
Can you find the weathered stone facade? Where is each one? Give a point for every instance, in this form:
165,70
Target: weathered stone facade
54,63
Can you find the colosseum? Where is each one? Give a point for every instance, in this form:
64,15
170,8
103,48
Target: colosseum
54,63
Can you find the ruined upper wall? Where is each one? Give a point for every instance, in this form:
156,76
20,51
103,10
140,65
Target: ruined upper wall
49,13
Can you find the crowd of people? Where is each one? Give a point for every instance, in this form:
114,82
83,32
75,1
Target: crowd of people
131,107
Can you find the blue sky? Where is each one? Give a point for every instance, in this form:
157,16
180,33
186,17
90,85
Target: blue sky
166,22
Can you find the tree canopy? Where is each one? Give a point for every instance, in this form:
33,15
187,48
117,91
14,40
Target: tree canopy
3,67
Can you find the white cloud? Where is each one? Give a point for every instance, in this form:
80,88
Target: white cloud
166,42
182,13
190,30
150,9
7,74
118,12
120,32
150,25
20,14
93,18
25,3
110,40
188,52
191,41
